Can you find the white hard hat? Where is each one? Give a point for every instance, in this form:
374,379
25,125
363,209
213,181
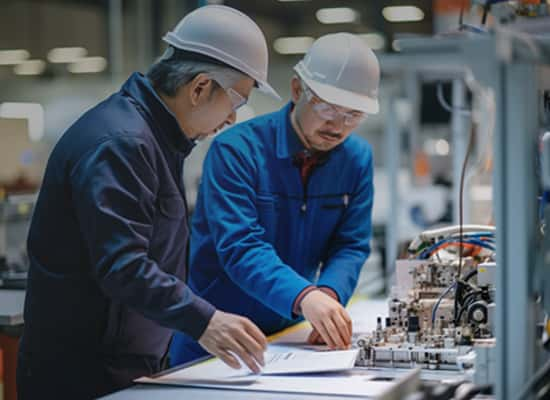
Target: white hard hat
227,35
341,69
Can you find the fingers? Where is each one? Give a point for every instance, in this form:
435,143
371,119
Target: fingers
228,358
231,338
254,345
333,331
244,355
349,324
256,334
338,330
232,352
325,335
343,325
315,338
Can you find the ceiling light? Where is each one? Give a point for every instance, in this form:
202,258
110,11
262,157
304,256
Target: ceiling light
33,112
88,65
396,45
30,67
403,14
13,57
66,54
441,147
291,1
339,15
293,45
375,41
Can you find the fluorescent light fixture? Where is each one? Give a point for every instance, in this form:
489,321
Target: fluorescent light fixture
88,65
13,57
338,15
293,45
30,67
292,1
403,14
441,147
33,112
66,54
375,41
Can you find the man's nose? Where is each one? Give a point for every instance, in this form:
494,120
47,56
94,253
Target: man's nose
337,124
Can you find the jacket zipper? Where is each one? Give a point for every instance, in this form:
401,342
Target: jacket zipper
303,207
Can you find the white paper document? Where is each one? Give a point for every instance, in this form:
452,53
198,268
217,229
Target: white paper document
287,362
326,372
308,362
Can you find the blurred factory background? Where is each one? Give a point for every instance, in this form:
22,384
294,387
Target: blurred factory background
60,57
446,111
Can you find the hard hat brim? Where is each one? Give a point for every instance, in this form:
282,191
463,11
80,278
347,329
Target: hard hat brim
343,98
225,58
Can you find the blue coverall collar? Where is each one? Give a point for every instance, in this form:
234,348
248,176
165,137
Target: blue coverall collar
139,88
288,143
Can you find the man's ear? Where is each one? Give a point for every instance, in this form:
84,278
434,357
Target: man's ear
295,89
200,88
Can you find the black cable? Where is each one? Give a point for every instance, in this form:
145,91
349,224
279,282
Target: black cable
471,294
461,16
467,302
459,282
486,8
469,275
534,381
443,102
461,202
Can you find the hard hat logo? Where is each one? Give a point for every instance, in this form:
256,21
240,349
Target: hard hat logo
227,35
341,69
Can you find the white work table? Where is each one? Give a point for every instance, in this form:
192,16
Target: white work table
363,313
11,307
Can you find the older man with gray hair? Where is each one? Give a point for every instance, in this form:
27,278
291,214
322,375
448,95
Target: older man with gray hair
107,243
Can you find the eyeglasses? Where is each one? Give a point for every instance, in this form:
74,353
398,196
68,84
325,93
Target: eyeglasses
330,112
237,99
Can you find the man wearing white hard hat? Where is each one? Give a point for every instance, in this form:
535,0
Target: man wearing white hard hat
282,223
108,239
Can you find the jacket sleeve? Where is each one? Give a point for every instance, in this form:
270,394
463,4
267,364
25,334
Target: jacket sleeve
229,199
114,187
350,246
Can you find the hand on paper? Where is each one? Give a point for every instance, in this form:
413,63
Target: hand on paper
315,338
229,333
328,318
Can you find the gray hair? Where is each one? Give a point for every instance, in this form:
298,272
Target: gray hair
168,73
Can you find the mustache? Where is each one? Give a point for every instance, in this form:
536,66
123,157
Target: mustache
331,134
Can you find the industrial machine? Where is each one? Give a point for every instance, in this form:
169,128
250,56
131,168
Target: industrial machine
442,305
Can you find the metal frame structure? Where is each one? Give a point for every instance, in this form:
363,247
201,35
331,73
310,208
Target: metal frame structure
508,63
411,70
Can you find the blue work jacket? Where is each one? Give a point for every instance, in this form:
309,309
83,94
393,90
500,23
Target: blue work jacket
259,237
107,249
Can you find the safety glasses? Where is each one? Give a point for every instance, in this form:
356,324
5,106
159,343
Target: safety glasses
329,112
237,99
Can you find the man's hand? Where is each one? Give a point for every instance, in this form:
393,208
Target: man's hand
315,338
229,333
328,318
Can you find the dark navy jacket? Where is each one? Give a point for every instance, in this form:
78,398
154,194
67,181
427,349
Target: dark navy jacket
108,250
